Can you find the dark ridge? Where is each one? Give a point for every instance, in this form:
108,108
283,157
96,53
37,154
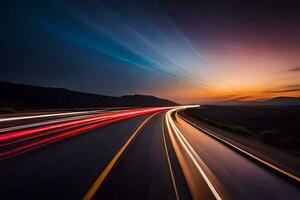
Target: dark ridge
18,97
289,101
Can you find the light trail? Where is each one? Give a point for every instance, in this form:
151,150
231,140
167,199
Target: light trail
31,125
42,134
28,147
47,115
242,151
79,125
21,133
188,149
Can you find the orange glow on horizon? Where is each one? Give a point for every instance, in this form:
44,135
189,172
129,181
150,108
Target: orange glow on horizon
248,73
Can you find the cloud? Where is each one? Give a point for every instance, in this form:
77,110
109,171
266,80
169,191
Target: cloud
239,98
293,86
295,69
284,90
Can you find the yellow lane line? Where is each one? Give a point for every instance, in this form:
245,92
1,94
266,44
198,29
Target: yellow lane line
93,189
169,162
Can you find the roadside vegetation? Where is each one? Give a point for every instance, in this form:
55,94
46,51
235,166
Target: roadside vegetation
277,126
233,128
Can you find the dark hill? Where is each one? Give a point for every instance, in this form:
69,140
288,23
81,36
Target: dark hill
27,97
283,101
145,100
288,101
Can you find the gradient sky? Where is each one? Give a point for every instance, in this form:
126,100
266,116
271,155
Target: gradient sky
187,51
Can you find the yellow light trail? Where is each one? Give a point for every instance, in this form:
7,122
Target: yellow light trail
188,149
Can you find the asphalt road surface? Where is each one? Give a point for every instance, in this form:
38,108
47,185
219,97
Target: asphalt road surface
129,154
233,175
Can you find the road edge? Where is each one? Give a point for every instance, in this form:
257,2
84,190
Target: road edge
274,169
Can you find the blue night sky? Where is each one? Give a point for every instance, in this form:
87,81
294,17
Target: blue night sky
186,51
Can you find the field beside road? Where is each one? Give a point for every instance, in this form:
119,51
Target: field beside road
277,126
271,132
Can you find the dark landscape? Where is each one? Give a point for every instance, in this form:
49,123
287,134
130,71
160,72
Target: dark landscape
276,101
19,97
274,125
149,99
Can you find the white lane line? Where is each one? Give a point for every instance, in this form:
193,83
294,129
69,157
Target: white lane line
191,152
47,115
292,176
41,123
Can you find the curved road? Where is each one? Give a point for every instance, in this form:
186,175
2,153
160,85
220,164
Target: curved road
132,154
234,176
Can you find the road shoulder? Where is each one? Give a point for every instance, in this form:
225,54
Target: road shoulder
274,156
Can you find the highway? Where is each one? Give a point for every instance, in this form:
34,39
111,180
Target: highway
142,153
231,175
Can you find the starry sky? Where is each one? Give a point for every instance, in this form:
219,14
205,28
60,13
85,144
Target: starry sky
188,51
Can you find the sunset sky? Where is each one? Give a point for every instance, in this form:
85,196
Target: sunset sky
187,51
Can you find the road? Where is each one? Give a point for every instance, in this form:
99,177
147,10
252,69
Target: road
130,154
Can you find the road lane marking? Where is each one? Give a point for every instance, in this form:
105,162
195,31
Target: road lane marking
189,149
169,162
286,173
96,185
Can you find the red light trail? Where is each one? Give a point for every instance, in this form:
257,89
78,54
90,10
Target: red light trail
13,142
